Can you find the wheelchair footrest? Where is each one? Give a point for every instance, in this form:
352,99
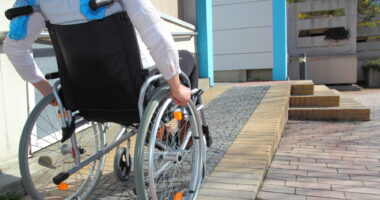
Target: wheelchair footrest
208,136
60,178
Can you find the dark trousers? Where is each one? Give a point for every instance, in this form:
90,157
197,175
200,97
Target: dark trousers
189,67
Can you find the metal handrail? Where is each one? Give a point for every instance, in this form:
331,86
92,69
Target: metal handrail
181,34
45,35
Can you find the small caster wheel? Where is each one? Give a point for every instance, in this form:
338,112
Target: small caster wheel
122,164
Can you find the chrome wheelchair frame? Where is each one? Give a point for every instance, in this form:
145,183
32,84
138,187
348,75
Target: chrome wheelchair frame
122,136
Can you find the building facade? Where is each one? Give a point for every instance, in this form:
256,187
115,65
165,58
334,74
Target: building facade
249,40
324,30
368,41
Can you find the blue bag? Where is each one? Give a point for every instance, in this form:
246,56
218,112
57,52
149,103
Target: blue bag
92,14
19,25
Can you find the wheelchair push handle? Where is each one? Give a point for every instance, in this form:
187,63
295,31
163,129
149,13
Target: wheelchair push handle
95,4
52,75
27,10
19,11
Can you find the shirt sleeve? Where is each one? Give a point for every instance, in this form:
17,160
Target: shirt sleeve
18,51
155,35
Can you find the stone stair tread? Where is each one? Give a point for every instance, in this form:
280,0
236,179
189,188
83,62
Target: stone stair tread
303,87
328,108
320,91
345,103
322,97
303,82
347,109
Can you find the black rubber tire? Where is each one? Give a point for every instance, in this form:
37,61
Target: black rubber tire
121,168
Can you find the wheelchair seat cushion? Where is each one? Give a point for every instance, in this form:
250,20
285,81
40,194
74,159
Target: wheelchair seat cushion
100,68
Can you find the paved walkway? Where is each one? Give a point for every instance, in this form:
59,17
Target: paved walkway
328,160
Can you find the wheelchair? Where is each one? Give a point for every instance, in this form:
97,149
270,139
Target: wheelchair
62,148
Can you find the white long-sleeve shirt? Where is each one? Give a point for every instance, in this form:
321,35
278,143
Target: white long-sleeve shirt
155,40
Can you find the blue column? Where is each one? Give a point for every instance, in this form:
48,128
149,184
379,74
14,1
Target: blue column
280,55
205,45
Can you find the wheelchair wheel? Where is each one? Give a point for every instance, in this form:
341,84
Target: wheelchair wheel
42,155
169,165
122,164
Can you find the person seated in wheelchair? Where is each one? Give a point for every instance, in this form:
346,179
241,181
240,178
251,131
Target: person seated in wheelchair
100,55
99,60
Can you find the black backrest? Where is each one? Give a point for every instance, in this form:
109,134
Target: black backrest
100,68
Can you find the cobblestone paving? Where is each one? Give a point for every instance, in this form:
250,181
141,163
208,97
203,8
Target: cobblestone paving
328,160
225,115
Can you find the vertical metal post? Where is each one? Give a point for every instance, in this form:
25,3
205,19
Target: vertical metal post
303,67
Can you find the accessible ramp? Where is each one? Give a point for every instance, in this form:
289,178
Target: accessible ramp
241,171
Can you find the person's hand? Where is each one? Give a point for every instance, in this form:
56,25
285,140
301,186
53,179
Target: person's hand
180,93
45,89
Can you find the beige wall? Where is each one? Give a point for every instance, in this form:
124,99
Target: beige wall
13,99
179,9
188,11
169,7
182,42
327,70
4,4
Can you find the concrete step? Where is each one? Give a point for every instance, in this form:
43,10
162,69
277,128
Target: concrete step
349,109
204,83
10,180
305,87
10,184
322,97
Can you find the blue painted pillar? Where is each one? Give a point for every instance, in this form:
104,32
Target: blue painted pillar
280,55
205,44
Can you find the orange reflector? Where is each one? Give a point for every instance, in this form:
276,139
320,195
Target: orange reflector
178,196
178,115
63,186
59,114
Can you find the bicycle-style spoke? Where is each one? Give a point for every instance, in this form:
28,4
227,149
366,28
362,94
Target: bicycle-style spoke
49,156
171,162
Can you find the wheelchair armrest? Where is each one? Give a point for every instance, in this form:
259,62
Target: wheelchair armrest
150,71
52,75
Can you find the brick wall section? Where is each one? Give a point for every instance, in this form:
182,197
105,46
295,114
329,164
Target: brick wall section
240,173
